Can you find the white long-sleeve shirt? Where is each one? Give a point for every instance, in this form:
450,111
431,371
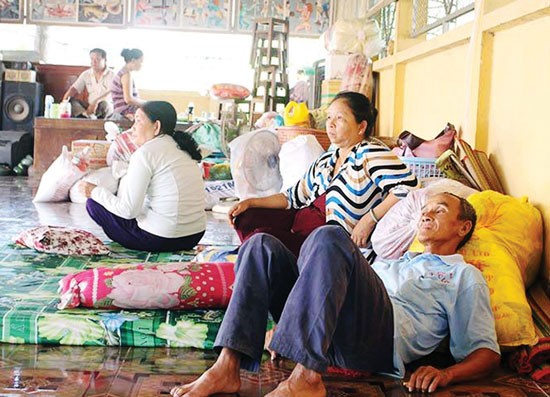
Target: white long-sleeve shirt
163,190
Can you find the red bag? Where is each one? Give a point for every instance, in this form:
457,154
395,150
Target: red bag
409,145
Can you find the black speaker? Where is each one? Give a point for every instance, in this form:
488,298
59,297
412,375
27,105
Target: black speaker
21,103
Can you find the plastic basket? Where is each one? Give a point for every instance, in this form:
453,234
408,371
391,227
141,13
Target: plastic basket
423,167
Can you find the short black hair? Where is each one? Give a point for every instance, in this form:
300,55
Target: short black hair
101,52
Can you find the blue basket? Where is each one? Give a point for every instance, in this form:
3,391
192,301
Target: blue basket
423,167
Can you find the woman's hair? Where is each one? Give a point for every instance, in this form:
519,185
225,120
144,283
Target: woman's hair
361,107
129,54
165,113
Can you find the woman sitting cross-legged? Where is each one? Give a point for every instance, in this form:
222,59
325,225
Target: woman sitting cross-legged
353,186
160,202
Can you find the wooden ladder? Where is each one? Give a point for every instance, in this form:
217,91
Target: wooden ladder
269,59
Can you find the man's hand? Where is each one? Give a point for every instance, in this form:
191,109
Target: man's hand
427,379
92,107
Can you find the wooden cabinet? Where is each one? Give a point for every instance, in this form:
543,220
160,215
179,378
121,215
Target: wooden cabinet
51,134
57,79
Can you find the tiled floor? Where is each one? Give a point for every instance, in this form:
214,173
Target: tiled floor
138,372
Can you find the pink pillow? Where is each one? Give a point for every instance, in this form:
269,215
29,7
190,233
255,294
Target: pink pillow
229,91
181,285
62,240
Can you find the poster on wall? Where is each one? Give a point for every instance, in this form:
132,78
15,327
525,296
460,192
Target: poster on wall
101,12
11,10
53,11
206,14
157,13
306,17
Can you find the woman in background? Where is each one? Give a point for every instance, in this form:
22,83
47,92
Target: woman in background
125,96
160,202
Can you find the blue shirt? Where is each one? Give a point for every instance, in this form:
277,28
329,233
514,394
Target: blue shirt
434,296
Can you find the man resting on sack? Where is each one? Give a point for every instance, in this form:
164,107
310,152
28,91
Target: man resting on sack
333,309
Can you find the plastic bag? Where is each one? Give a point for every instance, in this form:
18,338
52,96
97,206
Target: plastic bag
102,177
358,75
60,176
356,36
209,135
296,156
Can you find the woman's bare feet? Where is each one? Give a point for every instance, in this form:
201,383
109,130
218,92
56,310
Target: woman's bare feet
302,382
222,377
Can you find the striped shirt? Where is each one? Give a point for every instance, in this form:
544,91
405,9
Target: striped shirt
117,92
367,176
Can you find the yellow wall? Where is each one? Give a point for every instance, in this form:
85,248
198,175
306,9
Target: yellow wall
496,91
434,92
519,113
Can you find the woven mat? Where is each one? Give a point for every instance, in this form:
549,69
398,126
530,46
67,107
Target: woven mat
29,298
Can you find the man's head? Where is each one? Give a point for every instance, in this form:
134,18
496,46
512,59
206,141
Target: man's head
98,59
446,224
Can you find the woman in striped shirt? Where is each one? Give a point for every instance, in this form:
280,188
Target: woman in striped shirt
353,186
125,96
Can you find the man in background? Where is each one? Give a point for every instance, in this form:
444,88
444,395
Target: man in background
97,83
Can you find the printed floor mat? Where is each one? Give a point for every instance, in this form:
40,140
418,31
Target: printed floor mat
29,298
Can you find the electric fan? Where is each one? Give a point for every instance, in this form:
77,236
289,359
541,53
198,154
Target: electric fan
255,164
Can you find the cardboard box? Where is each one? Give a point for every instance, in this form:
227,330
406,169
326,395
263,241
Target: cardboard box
335,65
25,76
329,89
98,151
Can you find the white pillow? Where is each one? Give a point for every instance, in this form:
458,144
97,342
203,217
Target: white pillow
397,229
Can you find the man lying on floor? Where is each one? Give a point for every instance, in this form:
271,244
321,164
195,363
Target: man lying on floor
333,309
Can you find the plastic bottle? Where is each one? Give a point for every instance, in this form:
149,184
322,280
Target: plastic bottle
48,102
65,112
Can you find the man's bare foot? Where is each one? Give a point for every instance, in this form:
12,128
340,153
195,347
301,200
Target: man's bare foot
222,377
302,382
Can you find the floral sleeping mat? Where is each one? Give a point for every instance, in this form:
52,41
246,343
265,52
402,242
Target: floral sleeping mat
29,282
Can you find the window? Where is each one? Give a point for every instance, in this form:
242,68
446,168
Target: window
436,17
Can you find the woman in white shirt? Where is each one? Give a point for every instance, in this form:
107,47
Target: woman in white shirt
160,202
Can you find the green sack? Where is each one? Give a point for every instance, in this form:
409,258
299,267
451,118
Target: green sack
209,134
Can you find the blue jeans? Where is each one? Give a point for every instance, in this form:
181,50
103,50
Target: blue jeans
329,305
127,233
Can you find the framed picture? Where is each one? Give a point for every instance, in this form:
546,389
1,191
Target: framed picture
53,11
206,15
101,12
157,13
11,10
306,17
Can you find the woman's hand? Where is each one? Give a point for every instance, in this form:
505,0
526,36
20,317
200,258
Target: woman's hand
362,231
86,188
238,209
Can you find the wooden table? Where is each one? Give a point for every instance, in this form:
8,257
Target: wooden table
51,134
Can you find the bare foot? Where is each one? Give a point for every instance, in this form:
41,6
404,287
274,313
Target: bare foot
222,377
302,382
